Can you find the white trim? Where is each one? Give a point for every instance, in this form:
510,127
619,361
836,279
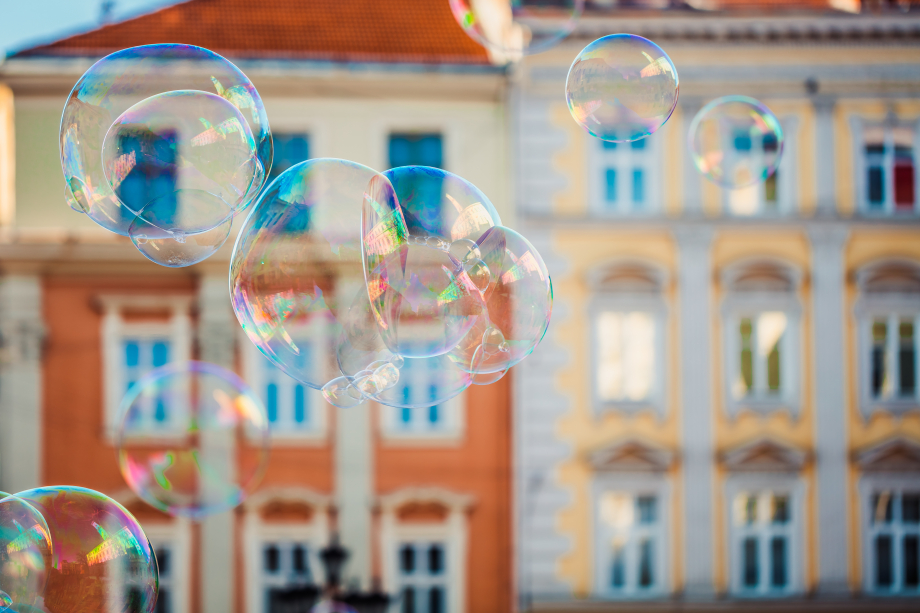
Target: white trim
858,126
178,534
868,485
450,431
624,159
634,485
795,487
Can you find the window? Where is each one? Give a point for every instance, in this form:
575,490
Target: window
761,327
762,533
140,179
625,172
286,400
285,565
171,542
416,150
140,333
888,315
630,543
889,180
289,149
422,577
165,568
626,368
774,194
419,382
894,541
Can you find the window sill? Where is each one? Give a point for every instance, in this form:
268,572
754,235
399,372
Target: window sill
631,407
309,438
768,595
897,407
396,438
762,406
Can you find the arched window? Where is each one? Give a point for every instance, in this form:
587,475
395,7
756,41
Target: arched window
760,315
628,316
888,316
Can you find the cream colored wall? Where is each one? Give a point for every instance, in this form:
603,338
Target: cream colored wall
7,157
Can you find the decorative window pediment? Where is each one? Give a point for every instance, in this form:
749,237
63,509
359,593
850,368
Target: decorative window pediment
894,455
765,455
890,278
761,276
627,277
631,455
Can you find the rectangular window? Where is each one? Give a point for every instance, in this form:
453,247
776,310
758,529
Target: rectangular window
760,358
290,148
890,169
907,359
638,187
416,150
139,179
286,400
626,364
625,177
893,358
769,192
286,570
763,534
894,537
165,567
140,356
631,526
610,188
420,385
423,577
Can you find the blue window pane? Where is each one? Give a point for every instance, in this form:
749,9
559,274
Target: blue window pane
638,186
405,415
299,405
159,413
742,141
434,414
611,191
160,354
406,394
153,175
271,400
132,354
303,358
638,144
416,150
130,383
876,187
290,149
609,144
432,392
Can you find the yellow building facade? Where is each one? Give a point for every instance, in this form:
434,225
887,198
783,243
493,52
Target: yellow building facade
726,404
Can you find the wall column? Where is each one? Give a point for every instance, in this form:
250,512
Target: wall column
695,283
824,158
828,285
21,334
217,333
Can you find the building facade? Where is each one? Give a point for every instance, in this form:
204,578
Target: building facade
725,408
421,498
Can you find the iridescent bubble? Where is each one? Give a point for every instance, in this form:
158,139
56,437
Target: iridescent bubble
436,203
736,141
193,439
519,303
25,553
621,88
513,28
101,558
159,124
301,253
341,393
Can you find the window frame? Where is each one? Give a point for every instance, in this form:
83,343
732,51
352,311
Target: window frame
177,534
114,330
787,179
783,483
870,484
450,433
634,485
601,159
858,126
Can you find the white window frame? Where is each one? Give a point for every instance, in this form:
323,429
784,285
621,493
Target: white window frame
450,431
617,302
781,483
624,159
177,534
178,329
453,532
285,431
787,180
870,484
858,126
257,533
423,581
634,485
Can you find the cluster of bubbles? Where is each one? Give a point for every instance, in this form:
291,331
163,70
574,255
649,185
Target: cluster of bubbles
193,439
409,272
68,549
623,88
165,144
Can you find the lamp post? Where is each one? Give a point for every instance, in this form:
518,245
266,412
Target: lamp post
306,598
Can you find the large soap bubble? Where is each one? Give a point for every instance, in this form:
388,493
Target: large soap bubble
165,143
25,554
193,439
736,141
621,88
101,558
513,28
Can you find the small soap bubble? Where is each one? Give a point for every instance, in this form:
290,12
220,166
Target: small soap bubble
387,375
513,28
492,340
341,393
193,439
736,141
464,249
25,551
478,272
97,544
488,378
621,88
397,361
72,201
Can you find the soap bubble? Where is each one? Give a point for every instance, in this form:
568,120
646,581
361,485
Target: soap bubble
193,439
736,141
25,553
101,558
519,303
300,256
164,142
512,28
621,88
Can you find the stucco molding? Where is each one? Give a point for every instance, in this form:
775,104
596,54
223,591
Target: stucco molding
390,503
631,455
896,455
308,496
765,455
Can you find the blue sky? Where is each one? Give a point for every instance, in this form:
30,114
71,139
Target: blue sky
28,22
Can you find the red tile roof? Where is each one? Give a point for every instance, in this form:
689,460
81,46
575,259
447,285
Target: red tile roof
410,31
